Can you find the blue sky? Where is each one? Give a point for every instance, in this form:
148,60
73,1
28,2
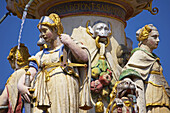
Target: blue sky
9,32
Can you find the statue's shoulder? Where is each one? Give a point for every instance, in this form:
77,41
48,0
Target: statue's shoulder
138,50
143,52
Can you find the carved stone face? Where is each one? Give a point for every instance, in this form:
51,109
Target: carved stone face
153,39
101,29
47,35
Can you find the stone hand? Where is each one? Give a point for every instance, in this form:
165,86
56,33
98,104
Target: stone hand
65,39
24,92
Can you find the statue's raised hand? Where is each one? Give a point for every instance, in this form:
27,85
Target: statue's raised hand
65,39
23,89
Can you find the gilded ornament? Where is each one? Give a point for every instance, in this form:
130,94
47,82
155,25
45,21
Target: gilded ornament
105,92
144,33
45,46
28,73
102,57
153,11
97,42
128,103
99,107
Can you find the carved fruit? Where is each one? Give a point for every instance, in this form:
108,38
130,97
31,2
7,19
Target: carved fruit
99,107
105,78
109,72
95,72
96,86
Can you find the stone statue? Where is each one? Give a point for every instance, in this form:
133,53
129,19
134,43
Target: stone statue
18,60
62,83
123,97
123,55
105,69
145,70
123,52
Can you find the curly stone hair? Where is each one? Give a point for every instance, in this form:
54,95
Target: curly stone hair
21,55
143,33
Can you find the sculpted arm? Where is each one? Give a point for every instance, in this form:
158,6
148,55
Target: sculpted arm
21,84
79,53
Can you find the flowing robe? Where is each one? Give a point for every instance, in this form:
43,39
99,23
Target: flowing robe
81,35
55,90
155,88
14,98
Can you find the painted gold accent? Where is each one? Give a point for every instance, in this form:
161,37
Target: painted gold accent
156,72
87,29
157,104
77,65
36,103
112,96
61,57
45,46
68,64
56,65
113,107
102,57
28,73
153,11
158,59
99,106
147,82
47,74
97,42
144,33
34,59
128,103
31,90
161,70
20,57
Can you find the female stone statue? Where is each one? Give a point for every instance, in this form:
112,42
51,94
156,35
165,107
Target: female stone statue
58,82
145,70
10,95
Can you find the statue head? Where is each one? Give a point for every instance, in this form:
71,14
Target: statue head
19,57
148,35
99,29
51,23
123,55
